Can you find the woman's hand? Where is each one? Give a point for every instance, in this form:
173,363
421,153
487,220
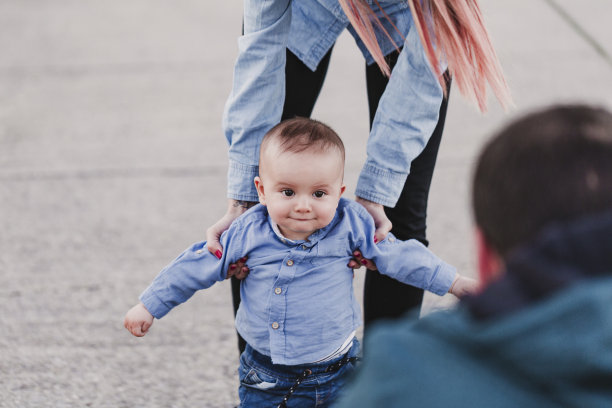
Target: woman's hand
239,269
381,222
235,208
358,261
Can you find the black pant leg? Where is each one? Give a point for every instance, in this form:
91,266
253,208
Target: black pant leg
236,304
385,297
302,88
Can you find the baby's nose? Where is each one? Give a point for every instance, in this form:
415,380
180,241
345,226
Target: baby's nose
302,205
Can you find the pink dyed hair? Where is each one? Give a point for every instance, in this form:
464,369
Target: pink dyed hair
460,37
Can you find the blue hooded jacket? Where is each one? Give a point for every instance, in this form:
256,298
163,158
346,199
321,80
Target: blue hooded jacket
539,337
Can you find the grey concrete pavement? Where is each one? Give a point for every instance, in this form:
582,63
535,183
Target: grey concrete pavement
112,161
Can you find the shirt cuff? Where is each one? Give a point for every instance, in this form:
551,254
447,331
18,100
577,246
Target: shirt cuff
379,185
443,279
240,185
153,304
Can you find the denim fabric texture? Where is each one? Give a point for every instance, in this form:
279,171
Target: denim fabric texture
408,109
264,384
298,304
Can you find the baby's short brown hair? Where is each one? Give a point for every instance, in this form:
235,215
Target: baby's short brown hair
301,134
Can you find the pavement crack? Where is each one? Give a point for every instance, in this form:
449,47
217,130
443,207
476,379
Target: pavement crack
113,173
577,27
118,68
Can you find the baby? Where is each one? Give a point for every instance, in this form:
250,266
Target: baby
298,312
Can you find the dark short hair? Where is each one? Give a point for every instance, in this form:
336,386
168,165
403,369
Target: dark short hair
300,134
550,166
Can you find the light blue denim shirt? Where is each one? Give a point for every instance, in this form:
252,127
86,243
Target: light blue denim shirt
298,304
407,113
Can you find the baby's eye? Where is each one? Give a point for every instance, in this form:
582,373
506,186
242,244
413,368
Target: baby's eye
287,192
318,194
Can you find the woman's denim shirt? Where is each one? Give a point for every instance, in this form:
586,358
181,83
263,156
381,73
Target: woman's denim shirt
298,303
407,113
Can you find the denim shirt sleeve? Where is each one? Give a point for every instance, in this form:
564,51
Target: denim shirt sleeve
406,116
405,119
194,269
412,263
409,262
258,93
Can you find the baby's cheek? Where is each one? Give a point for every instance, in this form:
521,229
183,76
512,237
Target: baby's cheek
275,213
329,213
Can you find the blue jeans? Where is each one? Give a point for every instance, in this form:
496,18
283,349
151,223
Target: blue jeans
264,384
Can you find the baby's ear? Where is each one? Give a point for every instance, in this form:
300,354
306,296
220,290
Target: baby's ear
260,190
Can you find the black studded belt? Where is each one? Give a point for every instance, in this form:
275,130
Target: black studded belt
329,369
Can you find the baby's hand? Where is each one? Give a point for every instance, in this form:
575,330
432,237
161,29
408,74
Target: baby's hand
463,286
138,320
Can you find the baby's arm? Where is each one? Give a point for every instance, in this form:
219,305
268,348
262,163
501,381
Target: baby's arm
412,263
408,261
138,320
461,286
194,269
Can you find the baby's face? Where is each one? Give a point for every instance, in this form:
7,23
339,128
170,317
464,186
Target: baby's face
301,190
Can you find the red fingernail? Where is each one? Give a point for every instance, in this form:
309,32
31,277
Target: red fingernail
243,259
375,240
232,267
363,261
356,253
218,254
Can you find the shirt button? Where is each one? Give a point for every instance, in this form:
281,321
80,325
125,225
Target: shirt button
199,251
275,325
278,291
391,239
303,246
290,263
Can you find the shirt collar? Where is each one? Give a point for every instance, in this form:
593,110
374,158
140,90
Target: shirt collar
280,236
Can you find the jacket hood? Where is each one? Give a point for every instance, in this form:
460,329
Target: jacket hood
560,256
560,346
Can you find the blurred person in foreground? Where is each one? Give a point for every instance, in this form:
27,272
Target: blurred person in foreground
540,332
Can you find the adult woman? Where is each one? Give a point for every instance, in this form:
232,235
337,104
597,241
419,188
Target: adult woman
280,69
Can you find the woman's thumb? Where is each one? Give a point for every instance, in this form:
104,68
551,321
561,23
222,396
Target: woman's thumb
382,231
212,242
